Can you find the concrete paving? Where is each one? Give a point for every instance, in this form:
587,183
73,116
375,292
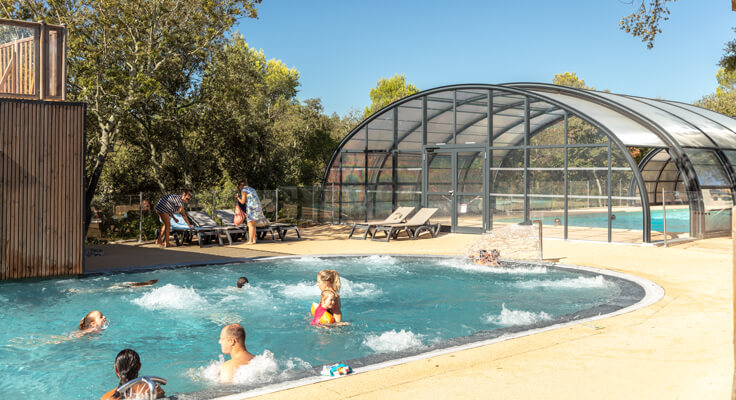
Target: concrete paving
678,348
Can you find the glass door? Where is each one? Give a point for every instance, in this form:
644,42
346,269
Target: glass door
456,180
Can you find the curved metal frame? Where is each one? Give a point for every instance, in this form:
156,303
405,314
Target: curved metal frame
677,152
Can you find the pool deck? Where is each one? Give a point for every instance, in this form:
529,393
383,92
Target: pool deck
678,348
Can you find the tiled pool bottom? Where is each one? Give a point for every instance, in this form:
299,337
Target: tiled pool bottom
452,302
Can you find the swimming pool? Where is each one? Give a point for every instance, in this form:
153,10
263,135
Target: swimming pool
398,307
678,220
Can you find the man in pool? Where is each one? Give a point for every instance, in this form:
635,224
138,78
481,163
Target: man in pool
232,341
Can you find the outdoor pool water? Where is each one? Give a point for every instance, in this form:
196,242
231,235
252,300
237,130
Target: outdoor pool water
397,306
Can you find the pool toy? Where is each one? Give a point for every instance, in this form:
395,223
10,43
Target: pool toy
326,317
336,369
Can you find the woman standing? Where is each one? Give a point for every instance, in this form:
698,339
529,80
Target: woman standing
250,203
166,208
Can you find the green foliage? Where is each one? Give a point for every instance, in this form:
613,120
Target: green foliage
570,79
646,21
724,99
387,91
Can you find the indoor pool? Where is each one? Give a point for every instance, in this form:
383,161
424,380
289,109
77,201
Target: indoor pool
678,220
397,307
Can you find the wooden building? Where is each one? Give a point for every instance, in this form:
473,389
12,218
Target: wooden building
41,156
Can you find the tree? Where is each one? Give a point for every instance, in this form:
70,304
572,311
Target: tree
570,79
646,21
387,91
724,99
118,52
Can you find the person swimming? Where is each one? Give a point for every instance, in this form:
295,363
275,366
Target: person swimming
94,321
127,365
322,312
232,341
242,281
330,279
125,285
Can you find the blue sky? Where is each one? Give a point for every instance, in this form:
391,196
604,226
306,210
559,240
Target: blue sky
342,48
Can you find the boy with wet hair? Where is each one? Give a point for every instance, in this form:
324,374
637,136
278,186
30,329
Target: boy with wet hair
232,341
242,281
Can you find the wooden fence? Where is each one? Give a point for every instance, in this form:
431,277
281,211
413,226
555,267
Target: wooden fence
41,188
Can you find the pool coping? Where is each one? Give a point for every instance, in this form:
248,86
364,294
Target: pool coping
652,294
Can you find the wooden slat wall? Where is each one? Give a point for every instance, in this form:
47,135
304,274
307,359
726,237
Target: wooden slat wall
41,188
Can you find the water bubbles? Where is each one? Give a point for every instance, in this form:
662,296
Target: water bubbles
516,317
171,297
393,341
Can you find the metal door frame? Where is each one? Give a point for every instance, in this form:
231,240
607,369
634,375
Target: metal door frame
453,150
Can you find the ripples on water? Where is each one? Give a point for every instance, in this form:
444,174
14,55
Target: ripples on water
393,304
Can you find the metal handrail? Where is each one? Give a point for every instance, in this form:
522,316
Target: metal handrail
148,380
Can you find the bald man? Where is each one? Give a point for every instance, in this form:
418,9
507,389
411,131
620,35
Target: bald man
232,341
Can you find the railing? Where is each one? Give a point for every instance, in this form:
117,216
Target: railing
32,60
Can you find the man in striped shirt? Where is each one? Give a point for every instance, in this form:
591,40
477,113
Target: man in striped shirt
166,208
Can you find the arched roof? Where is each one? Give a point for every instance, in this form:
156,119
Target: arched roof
635,121
459,113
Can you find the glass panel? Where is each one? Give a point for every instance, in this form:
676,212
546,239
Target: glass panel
507,182
506,210
444,205
18,54
439,117
440,172
408,195
547,129
588,219
409,169
357,142
507,175
581,132
508,119
587,157
731,156
379,204
470,211
680,130
410,125
472,117
380,168
549,210
353,168
470,172
547,158
353,206
628,226
621,189
630,132
721,135
721,119
586,185
547,182
707,167
381,131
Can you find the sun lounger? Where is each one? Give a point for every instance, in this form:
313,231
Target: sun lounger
414,227
274,228
396,217
203,220
204,235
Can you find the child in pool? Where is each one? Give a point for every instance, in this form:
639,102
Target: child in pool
330,279
323,311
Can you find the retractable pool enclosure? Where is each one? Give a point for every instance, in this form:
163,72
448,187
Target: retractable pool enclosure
491,155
